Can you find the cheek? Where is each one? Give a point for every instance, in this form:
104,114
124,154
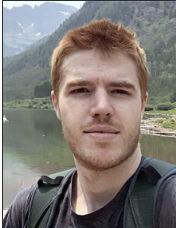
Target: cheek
64,111
136,114
126,111
131,113
70,114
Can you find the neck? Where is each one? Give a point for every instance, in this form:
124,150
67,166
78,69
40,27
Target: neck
94,189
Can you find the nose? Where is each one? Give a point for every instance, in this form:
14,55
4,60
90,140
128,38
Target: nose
101,105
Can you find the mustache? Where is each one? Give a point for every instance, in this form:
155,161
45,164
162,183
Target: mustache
105,122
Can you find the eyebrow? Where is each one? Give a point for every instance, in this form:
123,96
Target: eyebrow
124,84
78,83
120,84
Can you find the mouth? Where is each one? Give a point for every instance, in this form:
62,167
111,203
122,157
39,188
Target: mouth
101,132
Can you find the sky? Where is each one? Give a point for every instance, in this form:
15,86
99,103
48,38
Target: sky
11,4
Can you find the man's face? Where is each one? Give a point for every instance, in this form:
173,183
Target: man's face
100,108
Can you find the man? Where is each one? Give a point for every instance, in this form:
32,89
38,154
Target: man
99,79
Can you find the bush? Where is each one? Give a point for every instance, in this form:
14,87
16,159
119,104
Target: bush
160,120
164,106
45,107
171,120
169,123
149,108
166,124
36,100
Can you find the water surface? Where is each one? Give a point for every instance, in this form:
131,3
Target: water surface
33,145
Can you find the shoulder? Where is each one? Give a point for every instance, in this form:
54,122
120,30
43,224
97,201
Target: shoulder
18,211
165,210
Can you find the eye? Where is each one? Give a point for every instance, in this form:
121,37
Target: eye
120,91
80,90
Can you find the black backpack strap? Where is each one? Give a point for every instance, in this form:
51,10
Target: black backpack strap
141,197
44,195
140,201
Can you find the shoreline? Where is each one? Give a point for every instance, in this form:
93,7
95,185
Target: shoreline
150,127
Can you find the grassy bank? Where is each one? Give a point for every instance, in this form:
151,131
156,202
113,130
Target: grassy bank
167,123
36,103
164,112
166,118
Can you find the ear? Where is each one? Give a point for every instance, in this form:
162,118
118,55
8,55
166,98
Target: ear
55,104
144,102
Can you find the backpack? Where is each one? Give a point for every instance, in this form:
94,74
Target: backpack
139,205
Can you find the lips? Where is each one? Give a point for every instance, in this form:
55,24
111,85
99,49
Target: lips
101,130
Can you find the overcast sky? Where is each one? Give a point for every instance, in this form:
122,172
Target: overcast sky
11,4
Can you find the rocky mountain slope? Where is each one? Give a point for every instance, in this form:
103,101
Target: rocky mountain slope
25,25
154,23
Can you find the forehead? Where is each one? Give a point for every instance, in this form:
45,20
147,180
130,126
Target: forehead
88,64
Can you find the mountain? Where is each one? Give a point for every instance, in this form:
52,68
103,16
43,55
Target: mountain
25,25
154,23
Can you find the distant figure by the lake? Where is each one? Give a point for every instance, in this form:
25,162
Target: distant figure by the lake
5,119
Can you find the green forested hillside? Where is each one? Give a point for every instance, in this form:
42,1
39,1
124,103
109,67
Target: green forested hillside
25,75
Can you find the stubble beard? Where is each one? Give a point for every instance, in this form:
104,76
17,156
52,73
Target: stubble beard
128,146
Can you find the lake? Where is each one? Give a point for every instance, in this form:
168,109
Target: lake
33,145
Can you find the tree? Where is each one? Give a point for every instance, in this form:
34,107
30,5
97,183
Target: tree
42,90
173,96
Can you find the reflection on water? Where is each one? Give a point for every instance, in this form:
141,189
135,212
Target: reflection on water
33,145
159,147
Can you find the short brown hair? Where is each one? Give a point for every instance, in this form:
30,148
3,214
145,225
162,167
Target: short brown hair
106,37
